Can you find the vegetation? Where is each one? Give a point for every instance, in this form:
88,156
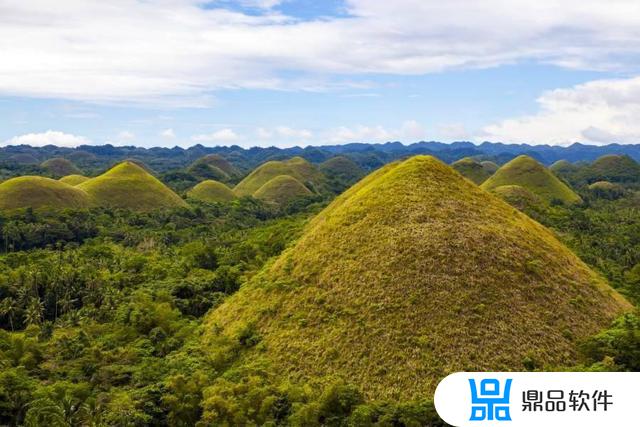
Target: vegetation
296,167
39,192
211,192
613,168
213,165
247,313
74,179
128,185
59,167
520,198
378,292
281,190
531,175
342,172
472,170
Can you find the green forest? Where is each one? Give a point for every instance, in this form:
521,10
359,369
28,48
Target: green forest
182,298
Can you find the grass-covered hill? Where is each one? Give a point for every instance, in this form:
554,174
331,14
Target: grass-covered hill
219,162
562,167
412,274
489,166
530,174
212,192
520,198
59,167
472,169
215,167
128,185
296,167
343,168
39,192
612,168
74,179
281,190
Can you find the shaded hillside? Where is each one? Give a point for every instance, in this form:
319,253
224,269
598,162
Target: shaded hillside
212,192
412,274
129,186
341,172
612,168
59,167
39,192
296,167
530,174
472,170
281,190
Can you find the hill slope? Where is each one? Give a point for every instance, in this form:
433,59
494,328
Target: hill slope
218,162
39,192
129,186
74,179
212,192
296,167
59,167
472,170
528,173
412,274
613,168
281,190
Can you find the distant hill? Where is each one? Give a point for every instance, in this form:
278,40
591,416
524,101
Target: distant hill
343,168
59,167
281,190
489,167
472,170
613,168
129,186
39,192
296,167
410,275
531,175
212,192
74,179
218,162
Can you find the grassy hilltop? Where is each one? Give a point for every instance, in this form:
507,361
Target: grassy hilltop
412,274
59,167
281,190
74,179
531,175
211,191
472,169
128,185
613,168
296,167
39,192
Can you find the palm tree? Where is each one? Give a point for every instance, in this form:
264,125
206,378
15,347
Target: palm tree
34,311
8,308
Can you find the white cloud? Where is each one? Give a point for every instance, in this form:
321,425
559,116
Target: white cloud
284,132
602,111
177,52
223,135
125,135
409,131
49,137
454,132
168,133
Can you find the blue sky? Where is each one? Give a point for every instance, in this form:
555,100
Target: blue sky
302,72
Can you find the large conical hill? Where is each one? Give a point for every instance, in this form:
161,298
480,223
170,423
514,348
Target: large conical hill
212,192
281,190
39,192
613,168
129,186
412,274
533,176
296,167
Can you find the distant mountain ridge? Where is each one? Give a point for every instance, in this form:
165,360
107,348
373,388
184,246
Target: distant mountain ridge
366,155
